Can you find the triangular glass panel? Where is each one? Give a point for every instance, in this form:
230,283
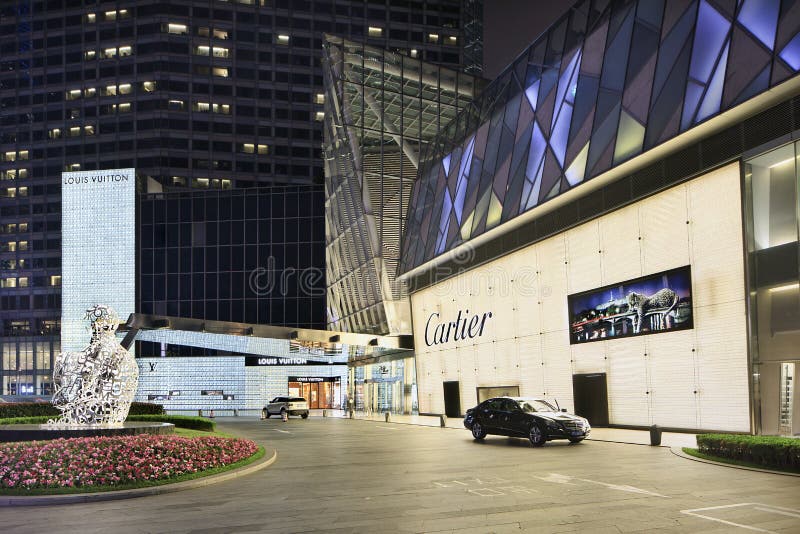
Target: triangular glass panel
791,53
532,93
630,136
713,28
711,101
576,170
760,17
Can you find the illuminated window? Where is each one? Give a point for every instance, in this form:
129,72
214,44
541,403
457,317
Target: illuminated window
124,107
125,51
88,129
452,39
23,154
89,91
10,192
110,90
283,39
319,116
22,281
263,149
203,31
22,192
22,246
319,98
74,131
91,17
433,37
200,182
72,167
23,227
89,54
414,52
202,106
226,184
375,31
249,148
9,156
21,173
55,280
220,71
125,89
220,34
177,29
176,105
55,133
218,51
73,94
149,87
8,282
109,53
178,180
202,50
114,15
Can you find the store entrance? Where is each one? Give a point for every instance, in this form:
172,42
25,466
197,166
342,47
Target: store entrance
320,392
452,399
591,397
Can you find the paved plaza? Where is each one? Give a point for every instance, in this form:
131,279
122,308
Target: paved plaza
339,475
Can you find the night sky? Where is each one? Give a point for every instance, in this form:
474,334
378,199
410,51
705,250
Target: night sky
509,26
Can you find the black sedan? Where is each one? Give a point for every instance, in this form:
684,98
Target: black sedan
535,419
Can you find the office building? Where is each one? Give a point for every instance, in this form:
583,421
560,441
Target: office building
192,94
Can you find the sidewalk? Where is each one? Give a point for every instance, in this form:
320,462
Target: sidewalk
615,435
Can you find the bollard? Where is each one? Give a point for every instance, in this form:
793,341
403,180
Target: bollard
442,420
324,413
236,412
199,413
386,417
655,435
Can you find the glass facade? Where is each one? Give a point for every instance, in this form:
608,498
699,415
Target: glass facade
607,82
771,186
249,256
381,109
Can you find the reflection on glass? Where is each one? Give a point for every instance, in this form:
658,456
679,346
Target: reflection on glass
773,178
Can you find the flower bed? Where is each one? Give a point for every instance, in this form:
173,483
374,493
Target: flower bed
115,462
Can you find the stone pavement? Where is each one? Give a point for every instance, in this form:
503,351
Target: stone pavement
617,435
337,475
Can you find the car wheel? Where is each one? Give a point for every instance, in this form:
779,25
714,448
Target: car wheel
537,435
305,415
477,431
575,440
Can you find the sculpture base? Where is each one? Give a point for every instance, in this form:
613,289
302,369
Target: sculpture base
43,432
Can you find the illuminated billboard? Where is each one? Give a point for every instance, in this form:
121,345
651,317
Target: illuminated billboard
98,248
656,303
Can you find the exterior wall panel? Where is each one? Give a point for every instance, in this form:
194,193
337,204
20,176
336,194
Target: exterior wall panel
651,379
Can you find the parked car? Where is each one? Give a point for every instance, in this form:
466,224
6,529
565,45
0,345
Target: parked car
535,419
288,405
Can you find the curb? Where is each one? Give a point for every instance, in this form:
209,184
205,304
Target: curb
46,500
677,451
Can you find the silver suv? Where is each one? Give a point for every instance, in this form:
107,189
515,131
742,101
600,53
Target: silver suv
288,405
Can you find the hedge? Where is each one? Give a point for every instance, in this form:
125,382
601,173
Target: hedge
767,451
180,421
34,409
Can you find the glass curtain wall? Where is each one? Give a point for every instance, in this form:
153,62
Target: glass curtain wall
771,186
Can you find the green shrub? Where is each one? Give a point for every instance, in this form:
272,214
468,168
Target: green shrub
180,421
768,451
146,408
35,409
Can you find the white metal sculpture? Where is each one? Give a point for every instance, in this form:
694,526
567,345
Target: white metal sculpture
95,387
